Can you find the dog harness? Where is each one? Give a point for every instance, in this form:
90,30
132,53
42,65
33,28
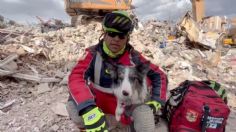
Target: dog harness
97,73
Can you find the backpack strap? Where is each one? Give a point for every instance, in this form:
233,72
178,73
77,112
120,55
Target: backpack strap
178,93
97,70
206,110
218,88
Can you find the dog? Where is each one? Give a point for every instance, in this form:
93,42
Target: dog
129,86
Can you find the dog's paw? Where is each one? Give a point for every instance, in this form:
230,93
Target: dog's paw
119,111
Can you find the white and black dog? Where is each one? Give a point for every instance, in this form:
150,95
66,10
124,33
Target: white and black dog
129,86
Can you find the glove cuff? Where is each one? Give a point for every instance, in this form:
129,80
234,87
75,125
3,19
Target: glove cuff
155,106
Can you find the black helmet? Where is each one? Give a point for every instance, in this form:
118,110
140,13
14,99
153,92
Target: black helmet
118,21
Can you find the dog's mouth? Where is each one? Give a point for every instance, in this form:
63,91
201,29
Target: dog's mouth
126,102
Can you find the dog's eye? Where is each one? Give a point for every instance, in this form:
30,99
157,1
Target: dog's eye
132,78
119,80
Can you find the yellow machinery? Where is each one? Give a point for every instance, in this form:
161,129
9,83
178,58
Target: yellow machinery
92,8
228,41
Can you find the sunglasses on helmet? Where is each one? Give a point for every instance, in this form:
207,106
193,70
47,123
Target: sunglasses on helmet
114,34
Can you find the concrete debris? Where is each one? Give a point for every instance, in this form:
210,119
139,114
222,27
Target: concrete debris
42,88
34,66
54,128
60,109
194,33
28,49
183,65
8,63
50,25
35,78
64,81
7,104
201,53
214,24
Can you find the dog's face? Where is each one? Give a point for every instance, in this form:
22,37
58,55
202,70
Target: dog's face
129,83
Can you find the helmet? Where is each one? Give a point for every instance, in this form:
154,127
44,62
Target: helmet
117,21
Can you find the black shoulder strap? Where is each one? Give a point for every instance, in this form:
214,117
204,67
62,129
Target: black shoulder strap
135,56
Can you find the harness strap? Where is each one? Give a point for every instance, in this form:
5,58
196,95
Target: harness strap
103,89
97,68
97,74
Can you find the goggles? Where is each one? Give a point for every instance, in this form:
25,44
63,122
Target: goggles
114,34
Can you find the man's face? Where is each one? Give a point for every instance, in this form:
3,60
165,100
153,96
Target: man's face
115,41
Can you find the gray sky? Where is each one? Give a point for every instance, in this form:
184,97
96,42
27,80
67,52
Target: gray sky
26,10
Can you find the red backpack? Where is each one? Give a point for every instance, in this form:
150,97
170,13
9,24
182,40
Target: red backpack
197,106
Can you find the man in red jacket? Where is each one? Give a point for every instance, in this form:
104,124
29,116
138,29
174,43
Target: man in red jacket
88,106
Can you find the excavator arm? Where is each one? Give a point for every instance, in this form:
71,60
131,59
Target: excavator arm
198,8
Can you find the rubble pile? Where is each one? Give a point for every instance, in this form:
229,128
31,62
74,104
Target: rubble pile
34,67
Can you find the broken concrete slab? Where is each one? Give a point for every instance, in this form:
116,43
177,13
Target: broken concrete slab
7,104
36,78
169,61
42,88
11,66
59,109
64,81
8,64
24,39
191,27
60,74
54,128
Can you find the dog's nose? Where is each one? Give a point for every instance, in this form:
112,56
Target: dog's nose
125,93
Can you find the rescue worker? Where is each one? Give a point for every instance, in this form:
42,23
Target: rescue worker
88,106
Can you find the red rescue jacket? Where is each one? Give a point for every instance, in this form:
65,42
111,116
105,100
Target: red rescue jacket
84,94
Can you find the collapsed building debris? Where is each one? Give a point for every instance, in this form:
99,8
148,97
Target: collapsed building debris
51,24
34,67
195,34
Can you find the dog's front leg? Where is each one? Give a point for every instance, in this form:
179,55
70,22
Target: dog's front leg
119,110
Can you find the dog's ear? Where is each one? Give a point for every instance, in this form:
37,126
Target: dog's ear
112,69
143,68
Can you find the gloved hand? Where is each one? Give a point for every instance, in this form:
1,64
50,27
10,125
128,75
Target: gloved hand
94,120
155,106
